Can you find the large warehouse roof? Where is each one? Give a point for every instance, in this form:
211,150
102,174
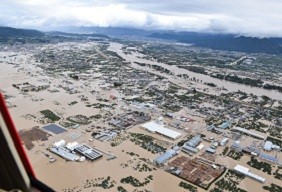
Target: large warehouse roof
159,128
64,153
240,129
246,171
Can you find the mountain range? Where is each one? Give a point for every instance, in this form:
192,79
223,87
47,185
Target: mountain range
227,42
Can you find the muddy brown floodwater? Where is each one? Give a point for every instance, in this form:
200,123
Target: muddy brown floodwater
230,86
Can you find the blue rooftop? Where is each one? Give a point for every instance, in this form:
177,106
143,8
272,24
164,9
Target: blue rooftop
194,141
164,157
268,157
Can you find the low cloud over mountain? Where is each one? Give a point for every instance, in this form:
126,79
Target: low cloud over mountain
258,18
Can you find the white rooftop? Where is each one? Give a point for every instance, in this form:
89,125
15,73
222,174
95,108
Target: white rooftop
158,128
269,146
249,132
71,145
246,171
60,143
242,169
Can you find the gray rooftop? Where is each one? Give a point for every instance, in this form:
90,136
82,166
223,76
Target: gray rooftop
64,153
186,148
88,152
194,141
54,129
210,150
268,157
164,157
268,145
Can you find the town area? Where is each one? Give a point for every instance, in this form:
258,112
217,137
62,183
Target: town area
103,114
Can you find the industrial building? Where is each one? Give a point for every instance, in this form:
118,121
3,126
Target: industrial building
268,146
268,158
159,128
105,135
210,150
59,149
196,140
188,149
246,131
197,171
200,147
88,152
71,146
252,150
213,129
191,145
160,160
224,141
64,153
127,120
246,171
60,143
236,145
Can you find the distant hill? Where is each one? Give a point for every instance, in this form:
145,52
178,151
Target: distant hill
9,32
111,31
11,35
226,42
58,33
213,41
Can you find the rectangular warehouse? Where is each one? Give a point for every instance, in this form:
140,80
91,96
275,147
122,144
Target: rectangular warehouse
160,129
251,133
245,171
88,152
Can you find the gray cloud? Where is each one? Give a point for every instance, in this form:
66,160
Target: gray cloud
247,17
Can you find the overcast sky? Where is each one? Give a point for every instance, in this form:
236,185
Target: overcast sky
261,18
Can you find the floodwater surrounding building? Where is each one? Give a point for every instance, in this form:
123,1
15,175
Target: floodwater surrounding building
245,171
161,129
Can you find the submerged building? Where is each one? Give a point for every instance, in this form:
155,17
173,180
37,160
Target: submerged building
269,158
268,146
88,152
64,153
191,145
159,128
160,160
248,132
224,141
246,171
